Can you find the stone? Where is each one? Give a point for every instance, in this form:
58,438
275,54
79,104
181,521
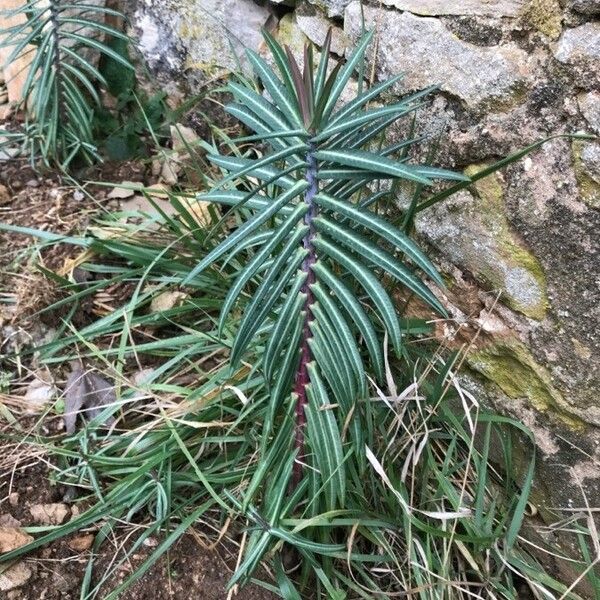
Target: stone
12,538
496,8
545,16
334,8
474,233
81,543
39,393
429,54
579,49
5,196
589,105
315,25
14,577
49,514
586,7
125,190
586,159
197,39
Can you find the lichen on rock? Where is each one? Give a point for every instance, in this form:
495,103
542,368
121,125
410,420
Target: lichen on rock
474,232
480,77
511,367
586,162
545,16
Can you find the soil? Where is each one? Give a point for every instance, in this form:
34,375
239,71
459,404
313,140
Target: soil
190,569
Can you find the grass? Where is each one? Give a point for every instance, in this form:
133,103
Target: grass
435,509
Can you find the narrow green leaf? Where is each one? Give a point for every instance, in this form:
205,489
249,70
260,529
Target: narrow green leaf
381,227
246,229
283,99
348,301
363,99
267,294
259,258
340,327
282,328
371,162
324,433
381,258
345,74
371,285
281,61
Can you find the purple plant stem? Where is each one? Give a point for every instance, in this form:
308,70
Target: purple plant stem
302,378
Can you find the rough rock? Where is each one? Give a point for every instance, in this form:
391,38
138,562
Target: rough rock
589,105
14,577
334,8
315,25
545,16
562,236
429,54
579,49
586,158
198,37
474,233
499,8
49,514
12,538
586,7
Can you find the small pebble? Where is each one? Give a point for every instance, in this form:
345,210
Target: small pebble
33,183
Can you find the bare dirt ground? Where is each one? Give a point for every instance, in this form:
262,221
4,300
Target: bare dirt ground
190,569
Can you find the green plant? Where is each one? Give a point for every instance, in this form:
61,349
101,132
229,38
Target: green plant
316,247
413,505
61,41
430,513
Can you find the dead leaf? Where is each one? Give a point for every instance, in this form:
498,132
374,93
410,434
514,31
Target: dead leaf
167,301
49,514
125,190
198,209
81,543
14,577
39,393
4,195
171,169
183,138
12,538
86,392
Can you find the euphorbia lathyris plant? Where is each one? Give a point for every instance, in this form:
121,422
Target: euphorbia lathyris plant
316,250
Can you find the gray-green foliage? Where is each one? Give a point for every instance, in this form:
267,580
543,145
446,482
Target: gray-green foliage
61,41
317,251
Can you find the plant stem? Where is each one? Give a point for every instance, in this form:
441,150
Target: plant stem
57,59
302,378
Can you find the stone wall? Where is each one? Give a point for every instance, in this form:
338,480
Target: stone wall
520,248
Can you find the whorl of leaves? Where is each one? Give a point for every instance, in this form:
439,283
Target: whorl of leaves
59,42
316,254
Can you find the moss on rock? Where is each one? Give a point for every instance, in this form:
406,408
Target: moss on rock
545,16
589,188
511,367
522,277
